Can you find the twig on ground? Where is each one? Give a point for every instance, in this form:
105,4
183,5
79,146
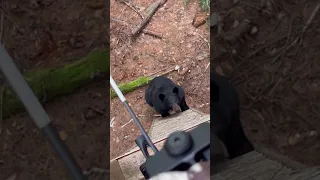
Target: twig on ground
316,9
145,31
131,6
112,122
126,123
12,20
164,73
207,67
289,31
208,43
265,46
119,21
274,86
171,69
145,21
259,114
306,120
299,38
246,59
12,176
259,50
231,56
294,42
130,121
97,110
277,172
152,33
282,80
315,111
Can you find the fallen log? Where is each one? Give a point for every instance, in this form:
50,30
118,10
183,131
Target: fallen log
139,82
131,86
150,12
52,82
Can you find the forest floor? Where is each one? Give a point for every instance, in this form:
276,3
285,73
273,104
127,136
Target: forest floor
270,51
42,34
181,45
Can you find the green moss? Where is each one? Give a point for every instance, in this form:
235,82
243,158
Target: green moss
131,86
51,82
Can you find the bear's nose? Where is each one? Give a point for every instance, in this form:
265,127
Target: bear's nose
176,108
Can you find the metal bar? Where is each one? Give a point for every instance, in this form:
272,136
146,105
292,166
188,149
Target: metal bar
123,99
37,112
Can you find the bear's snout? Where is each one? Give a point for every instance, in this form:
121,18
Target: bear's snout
175,109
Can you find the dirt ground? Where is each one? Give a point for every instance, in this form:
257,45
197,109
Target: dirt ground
277,75
49,33
181,45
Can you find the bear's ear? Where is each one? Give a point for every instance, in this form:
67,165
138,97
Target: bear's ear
162,96
175,90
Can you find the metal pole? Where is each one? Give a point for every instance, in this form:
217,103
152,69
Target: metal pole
123,99
38,114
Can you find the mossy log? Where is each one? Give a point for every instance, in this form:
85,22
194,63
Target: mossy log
131,86
139,82
49,83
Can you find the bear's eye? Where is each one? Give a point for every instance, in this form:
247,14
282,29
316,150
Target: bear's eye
175,90
162,96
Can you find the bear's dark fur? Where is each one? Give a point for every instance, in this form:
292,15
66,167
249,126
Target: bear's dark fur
225,113
165,96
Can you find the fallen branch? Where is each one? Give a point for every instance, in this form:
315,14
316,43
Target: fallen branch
150,13
208,65
316,9
50,83
130,121
167,71
299,38
152,33
139,82
294,42
133,7
145,31
12,20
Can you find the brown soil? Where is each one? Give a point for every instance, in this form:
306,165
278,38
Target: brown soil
280,96
182,45
49,33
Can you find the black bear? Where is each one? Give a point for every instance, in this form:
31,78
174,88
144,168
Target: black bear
165,96
225,113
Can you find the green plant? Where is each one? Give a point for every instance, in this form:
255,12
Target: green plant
186,2
205,5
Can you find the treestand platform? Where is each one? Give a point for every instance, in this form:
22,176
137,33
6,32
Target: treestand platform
126,166
261,164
